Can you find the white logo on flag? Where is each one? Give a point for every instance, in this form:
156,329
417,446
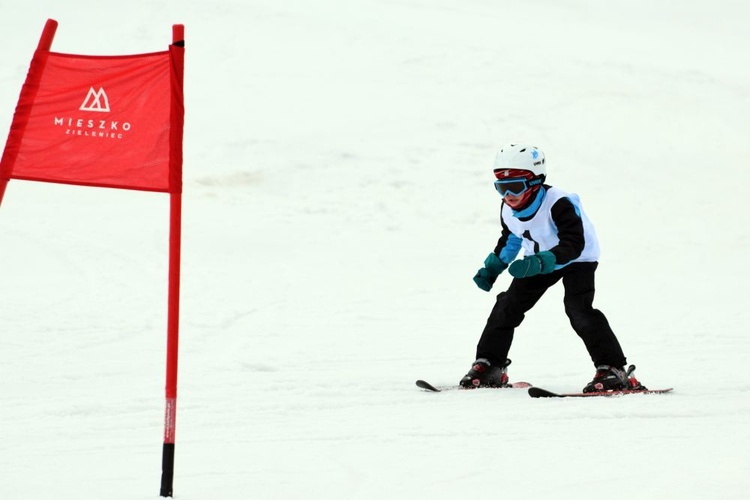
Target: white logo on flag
96,100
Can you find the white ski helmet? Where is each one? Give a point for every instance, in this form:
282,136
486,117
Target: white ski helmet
521,157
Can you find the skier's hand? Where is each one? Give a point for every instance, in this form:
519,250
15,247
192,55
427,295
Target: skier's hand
539,263
486,276
484,279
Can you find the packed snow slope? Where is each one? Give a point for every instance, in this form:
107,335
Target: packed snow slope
338,200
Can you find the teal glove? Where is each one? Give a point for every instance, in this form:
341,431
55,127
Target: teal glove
539,263
486,276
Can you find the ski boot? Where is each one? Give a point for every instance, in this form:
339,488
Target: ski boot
611,378
484,374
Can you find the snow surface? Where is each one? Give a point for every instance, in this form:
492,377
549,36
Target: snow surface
337,202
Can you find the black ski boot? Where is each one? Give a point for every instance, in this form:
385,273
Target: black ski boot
484,374
611,378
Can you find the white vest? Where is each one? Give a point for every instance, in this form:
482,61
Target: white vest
543,232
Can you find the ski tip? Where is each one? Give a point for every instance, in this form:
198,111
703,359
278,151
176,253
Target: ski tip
427,386
538,392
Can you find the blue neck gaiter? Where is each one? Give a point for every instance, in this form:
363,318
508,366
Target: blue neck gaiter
532,207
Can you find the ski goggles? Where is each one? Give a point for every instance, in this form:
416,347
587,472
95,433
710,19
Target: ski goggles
515,186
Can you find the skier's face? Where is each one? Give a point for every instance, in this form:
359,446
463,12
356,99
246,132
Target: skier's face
516,186
514,190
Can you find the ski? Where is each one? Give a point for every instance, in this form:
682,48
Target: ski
441,388
537,392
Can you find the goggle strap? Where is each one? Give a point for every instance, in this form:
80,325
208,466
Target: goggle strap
536,181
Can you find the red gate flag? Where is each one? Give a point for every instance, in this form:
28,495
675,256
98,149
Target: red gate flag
99,121
109,121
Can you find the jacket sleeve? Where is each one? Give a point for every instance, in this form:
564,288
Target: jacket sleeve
569,225
508,245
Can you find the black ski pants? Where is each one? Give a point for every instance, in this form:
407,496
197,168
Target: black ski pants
590,324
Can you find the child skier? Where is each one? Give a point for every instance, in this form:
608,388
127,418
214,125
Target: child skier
559,243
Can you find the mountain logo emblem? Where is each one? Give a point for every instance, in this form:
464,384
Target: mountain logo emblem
96,100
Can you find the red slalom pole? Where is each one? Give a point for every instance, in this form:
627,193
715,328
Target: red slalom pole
175,237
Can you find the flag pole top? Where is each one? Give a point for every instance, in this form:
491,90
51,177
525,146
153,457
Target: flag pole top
178,34
45,41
